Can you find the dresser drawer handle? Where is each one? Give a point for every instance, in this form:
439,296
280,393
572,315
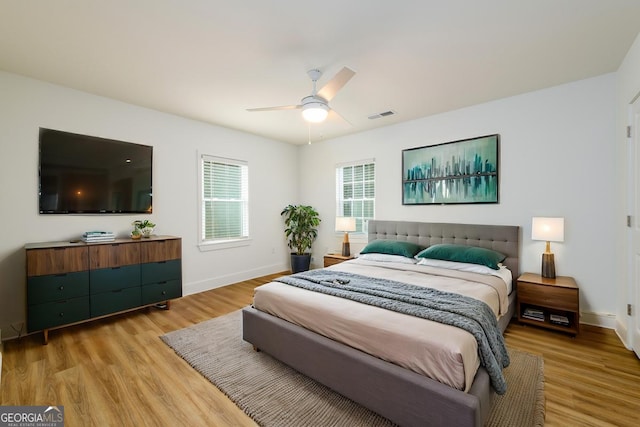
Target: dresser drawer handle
61,288
62,314
164,292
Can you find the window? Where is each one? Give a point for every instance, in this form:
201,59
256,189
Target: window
224,200
356,192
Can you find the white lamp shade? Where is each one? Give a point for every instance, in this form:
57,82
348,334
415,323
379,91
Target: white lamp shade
547,229
345,223
315,112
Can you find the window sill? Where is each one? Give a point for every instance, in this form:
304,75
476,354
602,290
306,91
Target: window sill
223,244
354,237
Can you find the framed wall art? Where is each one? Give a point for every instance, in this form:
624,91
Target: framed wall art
464,171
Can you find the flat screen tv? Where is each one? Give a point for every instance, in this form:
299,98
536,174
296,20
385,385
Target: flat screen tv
82,174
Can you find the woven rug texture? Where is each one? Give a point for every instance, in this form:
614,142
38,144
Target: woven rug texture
274,395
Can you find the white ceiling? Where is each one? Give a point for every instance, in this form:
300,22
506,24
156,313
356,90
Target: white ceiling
210,60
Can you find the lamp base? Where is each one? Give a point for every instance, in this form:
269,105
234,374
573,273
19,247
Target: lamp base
346,249
548,266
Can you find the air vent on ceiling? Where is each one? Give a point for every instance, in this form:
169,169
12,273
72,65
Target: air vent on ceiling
383,114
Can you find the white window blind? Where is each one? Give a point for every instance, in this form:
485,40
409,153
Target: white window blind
356,192
225,199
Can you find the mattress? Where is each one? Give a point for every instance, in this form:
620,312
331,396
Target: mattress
441,352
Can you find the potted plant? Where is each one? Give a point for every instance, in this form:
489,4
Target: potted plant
143,227
301,230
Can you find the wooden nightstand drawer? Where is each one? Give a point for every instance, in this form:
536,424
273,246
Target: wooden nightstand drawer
332,259
552,297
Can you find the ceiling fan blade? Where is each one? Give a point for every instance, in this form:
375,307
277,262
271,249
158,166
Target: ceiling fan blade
334,113
282,107
332,87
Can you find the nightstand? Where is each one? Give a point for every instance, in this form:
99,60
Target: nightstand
331,259
549,303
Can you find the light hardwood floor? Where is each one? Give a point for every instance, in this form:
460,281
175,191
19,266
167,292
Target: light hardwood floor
117,372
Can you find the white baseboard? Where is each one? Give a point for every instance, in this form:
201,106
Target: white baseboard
603,320
218,282
623,333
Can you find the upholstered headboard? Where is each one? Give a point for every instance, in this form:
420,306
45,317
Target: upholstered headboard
501,238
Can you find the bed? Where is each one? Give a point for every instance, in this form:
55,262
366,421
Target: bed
402,395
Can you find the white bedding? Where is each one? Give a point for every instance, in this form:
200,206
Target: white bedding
444,353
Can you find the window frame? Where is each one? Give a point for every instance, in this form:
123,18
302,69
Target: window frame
222,243
340,199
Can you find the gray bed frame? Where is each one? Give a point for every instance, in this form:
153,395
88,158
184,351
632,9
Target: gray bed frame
401,395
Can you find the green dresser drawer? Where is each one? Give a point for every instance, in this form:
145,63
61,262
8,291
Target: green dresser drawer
57,287
154,272
162,291
114,301
113,279
52,314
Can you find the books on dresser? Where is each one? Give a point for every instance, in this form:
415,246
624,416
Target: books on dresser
98,236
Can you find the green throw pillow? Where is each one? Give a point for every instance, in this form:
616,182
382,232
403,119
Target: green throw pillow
392,247
460,253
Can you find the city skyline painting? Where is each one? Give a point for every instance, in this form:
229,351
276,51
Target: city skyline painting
464,171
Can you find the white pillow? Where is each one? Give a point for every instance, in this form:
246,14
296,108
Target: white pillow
452,265
387,258
504,273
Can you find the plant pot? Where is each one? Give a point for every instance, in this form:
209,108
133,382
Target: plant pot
300,262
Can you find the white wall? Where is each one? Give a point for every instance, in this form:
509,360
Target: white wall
26,105
556,159
628,87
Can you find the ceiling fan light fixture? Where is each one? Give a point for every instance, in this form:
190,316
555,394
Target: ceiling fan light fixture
315,112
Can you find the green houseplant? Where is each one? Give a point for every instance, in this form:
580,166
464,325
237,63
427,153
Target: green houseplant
301,229
142,227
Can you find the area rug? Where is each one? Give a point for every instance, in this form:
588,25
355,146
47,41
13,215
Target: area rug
273,394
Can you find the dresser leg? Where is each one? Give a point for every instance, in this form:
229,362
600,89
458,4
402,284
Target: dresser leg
163,305
45,334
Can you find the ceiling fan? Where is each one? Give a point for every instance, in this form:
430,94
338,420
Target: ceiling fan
315,107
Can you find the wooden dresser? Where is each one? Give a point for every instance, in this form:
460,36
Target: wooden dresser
73,282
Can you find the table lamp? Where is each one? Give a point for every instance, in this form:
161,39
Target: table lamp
549,230
346,224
